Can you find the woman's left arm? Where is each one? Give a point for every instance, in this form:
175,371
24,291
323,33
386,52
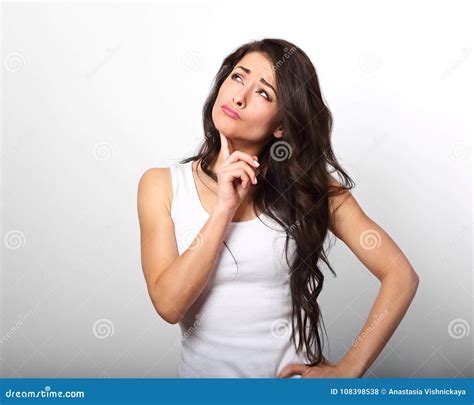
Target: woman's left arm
399,282
385,260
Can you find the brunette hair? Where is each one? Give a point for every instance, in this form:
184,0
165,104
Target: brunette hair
294,181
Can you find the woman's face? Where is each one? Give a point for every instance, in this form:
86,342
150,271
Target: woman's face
254,101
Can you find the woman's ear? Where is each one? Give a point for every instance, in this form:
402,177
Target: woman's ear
278,133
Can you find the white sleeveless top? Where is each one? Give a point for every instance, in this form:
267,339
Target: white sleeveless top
240,325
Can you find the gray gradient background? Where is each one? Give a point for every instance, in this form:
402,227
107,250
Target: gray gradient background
95,94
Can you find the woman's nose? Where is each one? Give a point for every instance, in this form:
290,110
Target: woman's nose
239,99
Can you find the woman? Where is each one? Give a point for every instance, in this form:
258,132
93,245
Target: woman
213,254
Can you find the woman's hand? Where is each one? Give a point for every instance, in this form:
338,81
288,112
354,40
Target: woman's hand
328,370
238,167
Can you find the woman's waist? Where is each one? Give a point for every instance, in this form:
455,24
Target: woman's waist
237,356
207,345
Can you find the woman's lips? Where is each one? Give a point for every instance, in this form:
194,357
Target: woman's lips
230,112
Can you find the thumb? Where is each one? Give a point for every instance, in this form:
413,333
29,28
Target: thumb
292,369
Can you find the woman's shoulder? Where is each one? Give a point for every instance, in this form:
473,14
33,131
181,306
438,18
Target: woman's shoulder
157,174
156,181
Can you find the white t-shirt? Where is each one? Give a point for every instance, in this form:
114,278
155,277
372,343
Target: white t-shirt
240,325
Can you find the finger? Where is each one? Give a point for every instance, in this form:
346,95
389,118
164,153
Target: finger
250,171
292,369
244,184
245,179
236,173
226,147
239,155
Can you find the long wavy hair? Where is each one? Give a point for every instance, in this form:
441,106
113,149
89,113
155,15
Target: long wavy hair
293,184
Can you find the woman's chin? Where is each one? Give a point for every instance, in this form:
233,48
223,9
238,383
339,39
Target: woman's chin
226,129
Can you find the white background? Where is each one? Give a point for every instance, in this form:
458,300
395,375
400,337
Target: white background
95,94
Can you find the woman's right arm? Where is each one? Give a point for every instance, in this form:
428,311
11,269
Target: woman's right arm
174,281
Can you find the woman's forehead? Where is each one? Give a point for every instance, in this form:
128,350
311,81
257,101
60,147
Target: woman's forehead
259,65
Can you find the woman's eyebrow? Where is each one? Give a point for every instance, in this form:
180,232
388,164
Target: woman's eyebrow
246,70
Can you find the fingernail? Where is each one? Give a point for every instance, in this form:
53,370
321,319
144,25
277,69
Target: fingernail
256,163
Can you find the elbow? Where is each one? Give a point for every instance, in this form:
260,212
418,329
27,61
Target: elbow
166,312
408,279
170,316
163,307
415,279
416,282
412,280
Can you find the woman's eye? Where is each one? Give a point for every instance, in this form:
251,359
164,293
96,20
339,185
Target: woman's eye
264,92
235,75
